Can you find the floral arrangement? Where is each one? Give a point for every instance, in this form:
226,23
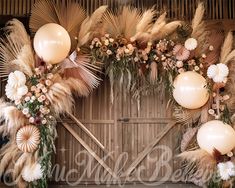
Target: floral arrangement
142,52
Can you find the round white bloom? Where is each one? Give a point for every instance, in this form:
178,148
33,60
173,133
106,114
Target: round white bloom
212,71
223,69
16,79
32,172
23,90
179,64
218,72
16,87
190,44
226,170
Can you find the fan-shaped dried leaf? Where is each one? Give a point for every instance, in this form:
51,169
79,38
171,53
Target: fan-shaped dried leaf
16,52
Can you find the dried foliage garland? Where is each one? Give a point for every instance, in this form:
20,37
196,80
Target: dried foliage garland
140,54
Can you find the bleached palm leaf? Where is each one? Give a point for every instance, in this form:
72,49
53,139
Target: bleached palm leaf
68,14
78,67
89,25
16,52
116,23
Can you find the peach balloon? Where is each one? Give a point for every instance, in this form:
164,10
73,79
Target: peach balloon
190,91
218,135
52,43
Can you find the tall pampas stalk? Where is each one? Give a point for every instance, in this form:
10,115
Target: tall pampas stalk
90,24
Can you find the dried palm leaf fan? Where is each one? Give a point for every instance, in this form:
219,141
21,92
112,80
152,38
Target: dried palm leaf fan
16,52
68,14
117,24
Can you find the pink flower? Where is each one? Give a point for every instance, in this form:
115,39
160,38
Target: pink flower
31,120
180,52
48,82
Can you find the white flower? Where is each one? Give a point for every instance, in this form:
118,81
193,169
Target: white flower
218,72
31,120
179,64
32,172
25,111
190,44
44,121
16,79
226,170
16,87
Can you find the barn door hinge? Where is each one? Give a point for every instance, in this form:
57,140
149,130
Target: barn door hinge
124,120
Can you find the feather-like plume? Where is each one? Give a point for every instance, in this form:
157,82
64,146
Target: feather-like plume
199,167
230,57
89,25
146,21
198,18
144,26
227,47
60,97
68,14
165,30
16,52
159,23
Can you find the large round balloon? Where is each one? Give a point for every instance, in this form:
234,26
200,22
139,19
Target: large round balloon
216,135
190,91
52,43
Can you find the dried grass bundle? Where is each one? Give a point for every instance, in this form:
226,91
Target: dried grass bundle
199,30
185,116
226,49
117,24
16,52
161,29
199,166
60,97
68,14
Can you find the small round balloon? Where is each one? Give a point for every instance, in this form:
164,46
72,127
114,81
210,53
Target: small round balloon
190,91
52,43
216,135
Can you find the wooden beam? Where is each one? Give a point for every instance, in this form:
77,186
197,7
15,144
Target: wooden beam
148,149
84,144
83,127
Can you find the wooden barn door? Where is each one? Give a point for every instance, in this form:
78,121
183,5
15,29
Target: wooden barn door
134,140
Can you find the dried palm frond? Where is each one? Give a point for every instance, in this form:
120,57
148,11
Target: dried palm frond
199,166
79,67
185,116
68,14
227,47
16,52
187,138
89,25
117,23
